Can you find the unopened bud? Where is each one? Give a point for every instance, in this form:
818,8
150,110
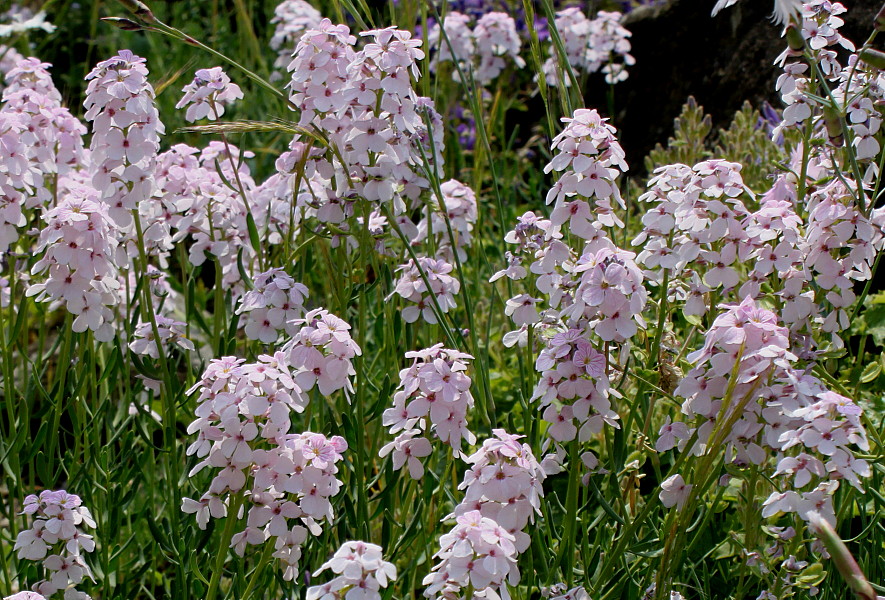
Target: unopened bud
834,126
794,37
842,558
139,9
874,58
879,22
124,24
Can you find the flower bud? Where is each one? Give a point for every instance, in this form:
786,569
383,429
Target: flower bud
124,24
879,21
834,126
139,9
794,37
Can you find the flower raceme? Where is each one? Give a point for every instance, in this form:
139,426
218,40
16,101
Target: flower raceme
40,138
291,19
172,333
456,210
589,154
198,204
477,552
573,391
80,261
360,572
433,396
503,493
207,95
411,286
272,306
57,538
321,353
744,376
591,45
504,483
126,130
483,51
283,480
365,102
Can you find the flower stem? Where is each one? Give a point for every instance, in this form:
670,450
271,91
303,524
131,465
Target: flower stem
236,500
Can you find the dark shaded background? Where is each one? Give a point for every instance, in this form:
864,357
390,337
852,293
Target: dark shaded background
681,50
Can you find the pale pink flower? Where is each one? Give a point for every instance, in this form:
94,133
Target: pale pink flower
674,491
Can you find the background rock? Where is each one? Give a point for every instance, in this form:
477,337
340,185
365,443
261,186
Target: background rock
681,50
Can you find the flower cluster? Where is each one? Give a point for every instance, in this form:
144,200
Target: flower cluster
439,284
80,261
820,425
54,137
703,237
171,332
31,74
484,51
459,48
494,39
360,570
199,204
243,421
610,295
319,78
434,387
537,239
748,397
16,181
591,157
208,94
698,217
291,19
126,132
321,353
9,56
477,552
591,45
272,306
839,247
240,404
504,483
598,292
456,210
40,138
57,538
383,135
743,344
574,390
819,29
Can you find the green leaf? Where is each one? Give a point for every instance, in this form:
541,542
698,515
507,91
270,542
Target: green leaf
870,372
253,233
812,574
872,319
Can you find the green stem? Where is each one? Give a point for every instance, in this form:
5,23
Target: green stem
236,500
259,569
567,551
